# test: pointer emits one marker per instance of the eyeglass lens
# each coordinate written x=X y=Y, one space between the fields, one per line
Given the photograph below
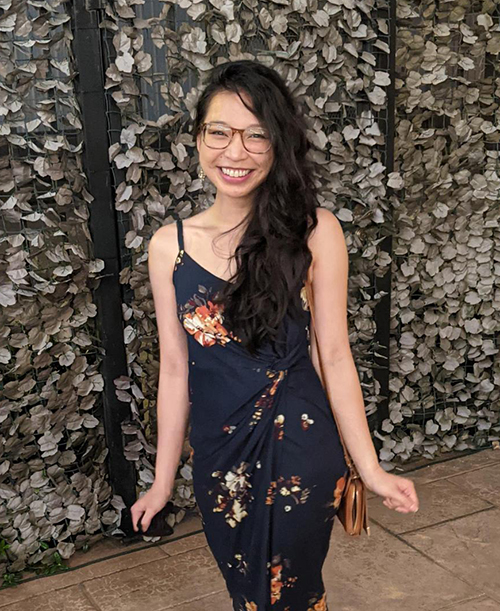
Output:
x=255 y=140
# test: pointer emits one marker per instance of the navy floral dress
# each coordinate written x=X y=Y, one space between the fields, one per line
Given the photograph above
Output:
x=268 y=465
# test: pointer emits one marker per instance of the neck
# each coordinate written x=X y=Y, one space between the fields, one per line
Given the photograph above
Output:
x=227 y=212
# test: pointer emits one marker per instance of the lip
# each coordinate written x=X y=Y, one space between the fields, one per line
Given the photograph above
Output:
x=234 y=179
x=229 y=168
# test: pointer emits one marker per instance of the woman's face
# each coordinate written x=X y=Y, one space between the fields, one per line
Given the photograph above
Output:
x=227 y=108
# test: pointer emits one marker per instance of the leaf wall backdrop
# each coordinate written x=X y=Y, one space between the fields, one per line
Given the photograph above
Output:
x=445 y=318
x=440 y=204
x=54 y=490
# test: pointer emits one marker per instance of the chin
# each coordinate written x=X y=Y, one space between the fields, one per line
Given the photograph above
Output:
x=225 y=187
x=236 y=192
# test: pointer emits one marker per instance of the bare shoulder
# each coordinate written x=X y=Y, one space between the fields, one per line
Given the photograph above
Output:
x=163 y=247
x=328 y=233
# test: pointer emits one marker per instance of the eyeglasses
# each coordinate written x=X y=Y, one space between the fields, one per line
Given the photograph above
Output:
x=218 y=136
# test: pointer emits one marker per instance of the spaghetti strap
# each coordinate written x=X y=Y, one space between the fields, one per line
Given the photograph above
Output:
x=180 y=236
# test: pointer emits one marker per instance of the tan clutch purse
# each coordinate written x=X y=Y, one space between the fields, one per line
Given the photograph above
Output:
x=353 y=509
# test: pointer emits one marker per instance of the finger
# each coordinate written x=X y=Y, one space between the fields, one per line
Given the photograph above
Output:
x=408 y=507
x=410 y=491
x=399 y=503
x=404 y=498
x=412 y=499
x=135 y=513
x=146 y=520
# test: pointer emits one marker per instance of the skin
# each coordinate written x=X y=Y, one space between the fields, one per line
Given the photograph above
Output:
x=330 y=277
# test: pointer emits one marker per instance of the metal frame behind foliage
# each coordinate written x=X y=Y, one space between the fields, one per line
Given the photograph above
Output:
x=99 y=127
x=381 y=356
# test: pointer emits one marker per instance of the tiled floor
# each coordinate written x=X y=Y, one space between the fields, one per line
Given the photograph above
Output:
x=446 y=557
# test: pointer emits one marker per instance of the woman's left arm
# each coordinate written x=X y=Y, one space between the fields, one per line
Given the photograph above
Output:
x=330 y=285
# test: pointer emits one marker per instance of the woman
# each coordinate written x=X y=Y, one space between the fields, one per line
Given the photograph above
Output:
x=268 y=465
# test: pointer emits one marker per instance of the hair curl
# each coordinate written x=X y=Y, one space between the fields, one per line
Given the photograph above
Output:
x=273 y=256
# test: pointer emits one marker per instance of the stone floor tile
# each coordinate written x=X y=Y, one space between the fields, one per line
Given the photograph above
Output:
x=214 y=602
x=102 y=548
x=448 y=468
x=106 y=547
x=469 y=547
x=63 y=580
x=485 y=483
x=69 y=599
x=185 y=544
x=382 y=573
x=457 y=463
x=478 y=604
x=439 y=500
x=171 y=581
x=113 y=556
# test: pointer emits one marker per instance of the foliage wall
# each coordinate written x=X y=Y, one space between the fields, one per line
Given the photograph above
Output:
x=54 y=491
x=445 y=322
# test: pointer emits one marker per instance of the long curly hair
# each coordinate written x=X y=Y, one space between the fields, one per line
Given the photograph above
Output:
x=273 y=256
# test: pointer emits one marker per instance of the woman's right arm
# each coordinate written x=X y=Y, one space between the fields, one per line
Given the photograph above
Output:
x=173 y=394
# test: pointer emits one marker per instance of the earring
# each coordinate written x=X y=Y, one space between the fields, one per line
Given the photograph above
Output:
x=201 y=174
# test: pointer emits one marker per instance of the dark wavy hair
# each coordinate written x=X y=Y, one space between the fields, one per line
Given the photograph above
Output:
x=273 y=256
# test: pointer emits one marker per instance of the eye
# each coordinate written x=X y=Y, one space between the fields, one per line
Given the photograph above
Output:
x=217 y=130
x=258 y=135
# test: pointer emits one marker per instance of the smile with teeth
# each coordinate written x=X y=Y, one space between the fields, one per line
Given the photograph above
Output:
x=235 y=173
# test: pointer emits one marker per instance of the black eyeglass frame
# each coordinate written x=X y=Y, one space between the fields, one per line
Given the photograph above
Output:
x=203 y=128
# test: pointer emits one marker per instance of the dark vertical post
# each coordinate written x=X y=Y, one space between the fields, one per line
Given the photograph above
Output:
x=103 y=227
x=383 y=308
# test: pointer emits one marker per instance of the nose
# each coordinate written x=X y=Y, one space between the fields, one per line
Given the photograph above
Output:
x=235 y=149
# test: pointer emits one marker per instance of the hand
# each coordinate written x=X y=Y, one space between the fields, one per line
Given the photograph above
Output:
x=148 y=505
x=399 y=492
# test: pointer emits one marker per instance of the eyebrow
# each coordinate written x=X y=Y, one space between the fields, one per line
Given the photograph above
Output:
x=224 y=123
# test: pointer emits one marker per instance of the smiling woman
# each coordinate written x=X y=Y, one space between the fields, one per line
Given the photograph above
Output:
x=268 y=466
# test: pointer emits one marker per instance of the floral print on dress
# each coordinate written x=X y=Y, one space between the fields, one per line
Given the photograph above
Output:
x=266 y=398
x=303 y=298
x=203 y=319
x=280 y=577
x=241 y=564
x=337 y=496
x=339 y=490
x=178 y=260
x=279 y=429
x=291 y=489
x=318 y=603
x=233 y=493
x=305 y=421
x=205 y=325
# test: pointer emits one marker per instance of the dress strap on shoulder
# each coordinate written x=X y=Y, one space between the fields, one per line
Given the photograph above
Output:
x=180 y=236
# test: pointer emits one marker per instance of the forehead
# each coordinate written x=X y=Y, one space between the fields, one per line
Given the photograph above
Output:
x=227 y=107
